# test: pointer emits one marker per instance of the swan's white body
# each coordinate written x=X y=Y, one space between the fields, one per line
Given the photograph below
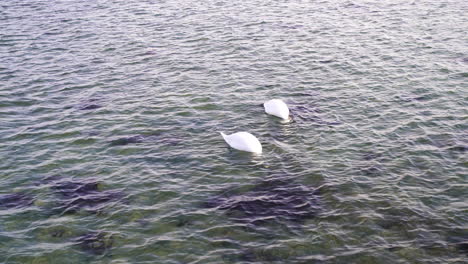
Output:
x=277 y=108
x=243 y=141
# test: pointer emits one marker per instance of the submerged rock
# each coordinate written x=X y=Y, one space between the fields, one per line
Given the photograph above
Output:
x=463 y=247
x=127 y=140
x=459 y=148
x=372 y=155
x=371 y=171
x=91 y=202
x=58 y=232
x=270 y=200
x=459 y=239
x=96 y=243
x=75 y=188
x=265 y=255
x=75 y=195
x=89 y=106
x=159 y=138
x=15 y=200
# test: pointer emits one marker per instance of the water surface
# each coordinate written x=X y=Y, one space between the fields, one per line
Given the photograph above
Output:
x=110 y=113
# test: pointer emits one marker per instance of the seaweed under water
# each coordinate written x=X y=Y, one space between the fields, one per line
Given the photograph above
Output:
x=15 y=200
x=127 y=140
x=273 y=199
x=75 y=195
x=166 y=139
x=96 y=243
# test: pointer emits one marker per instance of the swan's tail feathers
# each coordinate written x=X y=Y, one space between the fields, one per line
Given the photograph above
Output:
x=224 y=135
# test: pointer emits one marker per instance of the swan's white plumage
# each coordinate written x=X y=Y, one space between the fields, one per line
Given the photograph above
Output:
x=277 y=108
x=243 y=141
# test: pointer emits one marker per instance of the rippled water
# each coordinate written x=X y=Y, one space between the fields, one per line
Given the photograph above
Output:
x=110 y=112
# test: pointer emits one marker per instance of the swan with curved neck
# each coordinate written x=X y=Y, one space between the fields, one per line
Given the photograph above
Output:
x=243 y=141
x=277 y=108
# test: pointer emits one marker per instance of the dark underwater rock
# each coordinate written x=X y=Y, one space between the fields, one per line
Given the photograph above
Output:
x=371 y=171
x=92 y=202
x=326 y=61
x=127 y=140
x=372 y=155
x=75 y=195
x=89 y=106
x=459 y=148
x=458 y=238
x=57 y=232
x=159 y=138
x=15 y=200
x=71 y=189
x=96 y=243
x=394 y=248
x=463 y=247
x=269 y=200
x=264 y=255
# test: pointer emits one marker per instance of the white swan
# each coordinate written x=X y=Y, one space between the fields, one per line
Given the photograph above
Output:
x=277 y=108
x=243 y=141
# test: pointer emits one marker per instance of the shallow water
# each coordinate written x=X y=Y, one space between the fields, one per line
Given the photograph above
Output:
x=110 y=112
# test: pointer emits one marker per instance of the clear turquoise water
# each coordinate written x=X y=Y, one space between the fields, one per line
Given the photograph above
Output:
x=378 y=91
